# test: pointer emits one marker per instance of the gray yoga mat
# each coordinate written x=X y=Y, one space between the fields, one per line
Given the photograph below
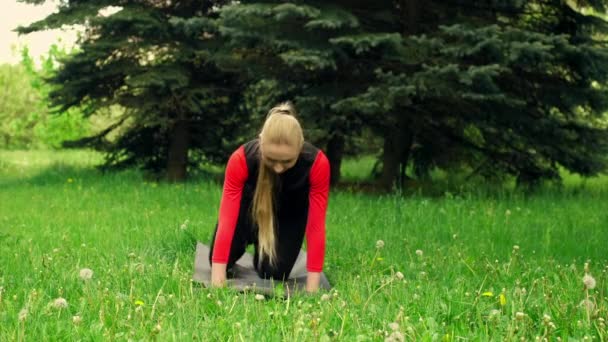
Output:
x=246 y=278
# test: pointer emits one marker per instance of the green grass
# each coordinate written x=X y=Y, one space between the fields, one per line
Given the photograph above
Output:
x=58 y=216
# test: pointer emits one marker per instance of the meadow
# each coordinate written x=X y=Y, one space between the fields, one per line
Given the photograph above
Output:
x=92 y=256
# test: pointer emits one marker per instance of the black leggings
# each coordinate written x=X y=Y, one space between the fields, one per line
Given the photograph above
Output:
x=288 y=242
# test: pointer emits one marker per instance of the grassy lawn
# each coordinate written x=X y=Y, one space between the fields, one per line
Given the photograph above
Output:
x=452 y=268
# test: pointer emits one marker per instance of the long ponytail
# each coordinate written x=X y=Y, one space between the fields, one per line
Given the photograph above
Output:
x=280 y=127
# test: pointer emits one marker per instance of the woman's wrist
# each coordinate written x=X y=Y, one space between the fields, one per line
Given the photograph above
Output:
x=218 y=274
x=312 y=281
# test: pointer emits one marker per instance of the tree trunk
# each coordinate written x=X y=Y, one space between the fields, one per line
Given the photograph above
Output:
x=408 y=142
x=396 y=153
x=177 y=159
x=335 y=151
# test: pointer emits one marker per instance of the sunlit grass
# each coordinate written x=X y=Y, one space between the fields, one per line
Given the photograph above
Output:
x=498 y=266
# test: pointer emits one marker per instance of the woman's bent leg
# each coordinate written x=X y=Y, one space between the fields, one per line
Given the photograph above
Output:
x=242 y=238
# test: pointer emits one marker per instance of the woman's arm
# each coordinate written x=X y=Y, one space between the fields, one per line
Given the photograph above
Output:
x=315 y=227
x=234 y=181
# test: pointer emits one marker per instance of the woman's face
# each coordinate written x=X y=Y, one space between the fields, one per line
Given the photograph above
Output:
x=279 y=157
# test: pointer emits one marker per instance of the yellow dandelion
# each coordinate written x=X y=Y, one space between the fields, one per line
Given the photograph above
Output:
x=139 y=302
x=502 y=299
x=487 y=294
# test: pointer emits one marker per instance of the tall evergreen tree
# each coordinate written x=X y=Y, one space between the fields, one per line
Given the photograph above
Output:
x=153 y=59
x=492 y=86
x=314 y=52
x=496 y=87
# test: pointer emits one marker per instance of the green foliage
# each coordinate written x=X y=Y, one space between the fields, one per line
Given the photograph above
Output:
x=27 y=121
x=153 y=61
x=492 y=88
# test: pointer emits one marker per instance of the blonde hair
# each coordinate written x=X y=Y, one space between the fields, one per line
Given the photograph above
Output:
x=280 y=127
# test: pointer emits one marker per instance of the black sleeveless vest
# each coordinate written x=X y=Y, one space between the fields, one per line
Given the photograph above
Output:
x=290 y=191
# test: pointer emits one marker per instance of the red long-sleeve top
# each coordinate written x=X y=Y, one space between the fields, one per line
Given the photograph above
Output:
x=234 y=181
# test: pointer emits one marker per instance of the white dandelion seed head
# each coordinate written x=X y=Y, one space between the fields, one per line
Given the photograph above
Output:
x=395 y=336
x=76 y=320
x=399 y=275
x=587 y=305
x=520 y=315
x=23 y=314
x=157 y=328
x=394 y=326
x=515 y=247
x=184 y=225
x=325 y=297
x=419 y=252
x=494 y=314
x=259 y=297
x=589 y=281
x=60 y=303
x=86 y=274
x=379 y=244
x=508 y=212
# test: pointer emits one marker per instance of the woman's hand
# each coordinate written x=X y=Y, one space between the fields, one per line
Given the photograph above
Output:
x=312 y=281
x=218 y=275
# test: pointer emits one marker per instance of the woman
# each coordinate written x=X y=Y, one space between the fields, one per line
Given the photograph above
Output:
x=275 y=193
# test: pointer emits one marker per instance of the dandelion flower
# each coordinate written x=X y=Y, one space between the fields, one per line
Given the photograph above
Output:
x=139 y=302
x=60 y=303
x=325 y=297
x=184 y=225
x=502 y=299
x=379 y=244
x=587 y=305
x=419 y=252
x=494 y=314
x=86 y=274
x=520 y=315
x=23 y=314
x=589 y=281
x=515 y=247
x=76 y=320
x=259 y=297
x=399 y=275
x=487 y=294
x=394 y=326
x=396 y=336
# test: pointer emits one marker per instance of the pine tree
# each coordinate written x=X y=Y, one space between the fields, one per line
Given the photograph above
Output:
x=313 y=52
x=496 y=87
x=153 y=59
